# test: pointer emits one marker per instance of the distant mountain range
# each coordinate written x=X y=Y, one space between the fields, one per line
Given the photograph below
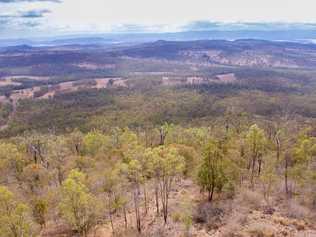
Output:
x=293 y=35
x=240 y=52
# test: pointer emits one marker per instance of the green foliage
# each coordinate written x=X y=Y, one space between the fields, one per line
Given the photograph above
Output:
x=126 y=139
x=35 y=177
x=94 y=141
x=113 y=178
x=11 y=160
x=14 y=221
x=256 y=143
x=191 y=158
x=40 y=209
x=5 y=110
x=123 y=170
x=304 y=149
x=125 y=147
x=268 y=178
x=78 y=206
x=58 y=153
x=304 y=152
x=75 y=141
x=211 y=174
x=193 y=136
x=165 y=161
x=256 y=140
x=165 y=164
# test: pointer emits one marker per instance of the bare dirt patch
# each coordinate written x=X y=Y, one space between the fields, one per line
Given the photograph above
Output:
x=222 y=78
x=64 y=87
x=93 y=66
x=196 y=80
x=226 y=78
x=24 y=93
x=167 y=81
x=8 y=82
x=107 y=82
x=35 y=78
x=120 y=83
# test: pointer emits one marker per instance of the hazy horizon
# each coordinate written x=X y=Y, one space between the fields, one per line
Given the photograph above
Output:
x=38 y=18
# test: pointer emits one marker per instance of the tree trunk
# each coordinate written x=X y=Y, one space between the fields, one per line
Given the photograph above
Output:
x=145 y=199
x=125 y=216
x=163 y=135
x=209 y=198
x=278 y=148
x=253 y=172
x=166 y=208
x=60 y=176
x=259 y=167
x=156 y=197
x=211 y=194
x=137 y=214
x=110 y=212
x=165 y=189
x=286 y=175
x=77 y=149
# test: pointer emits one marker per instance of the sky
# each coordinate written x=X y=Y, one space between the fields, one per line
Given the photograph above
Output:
x=31 y=18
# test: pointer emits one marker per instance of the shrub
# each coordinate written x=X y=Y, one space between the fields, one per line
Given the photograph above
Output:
x=251 y=199
x=209 y=214
x=261 y=230
x=295 y=210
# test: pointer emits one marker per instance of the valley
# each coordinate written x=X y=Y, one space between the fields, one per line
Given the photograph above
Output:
x=49 y=73
x=206 y=138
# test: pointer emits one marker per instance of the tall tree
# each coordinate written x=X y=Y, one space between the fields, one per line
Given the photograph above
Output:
x=114 y=185
x=135 y=177
x=11 y=162
x=14 y=220
x=211 y=173
x=78 y=206
x=256 y=142
x=58 y=154
x=167 y=164
x=302 y=170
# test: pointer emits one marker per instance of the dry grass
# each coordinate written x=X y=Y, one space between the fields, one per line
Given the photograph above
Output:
x=294 y=210
x=250 y=199
x=261 y=230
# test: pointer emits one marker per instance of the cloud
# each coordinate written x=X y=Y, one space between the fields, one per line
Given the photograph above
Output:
x=34 y=13
x=4 y=21
x=31 y=24
x=27 y=14
x=201 y=26
x=17 y=1
x=21 y=22
x=254 y=26
x=135 y=28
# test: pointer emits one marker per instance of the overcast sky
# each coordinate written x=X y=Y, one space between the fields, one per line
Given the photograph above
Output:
x=24 y=18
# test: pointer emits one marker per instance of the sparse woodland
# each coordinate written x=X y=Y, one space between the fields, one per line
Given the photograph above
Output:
x=127 y=182
x=204 y=138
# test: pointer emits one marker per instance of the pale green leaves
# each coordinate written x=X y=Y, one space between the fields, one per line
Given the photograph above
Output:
x=13 y=216
x=78 y=206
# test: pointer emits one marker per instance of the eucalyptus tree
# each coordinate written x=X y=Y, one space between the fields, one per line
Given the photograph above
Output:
x=78 y=206
x=211 y=174
x=166 y=164
x=256 y=143
x=14 y=216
